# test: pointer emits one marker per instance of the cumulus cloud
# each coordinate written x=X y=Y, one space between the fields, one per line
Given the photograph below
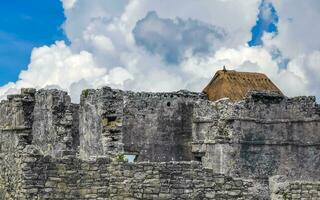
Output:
x=306 y=67
x=297 y=30
x=172 y=38
x=56 y=66
x=251 y=59
x=153 y=46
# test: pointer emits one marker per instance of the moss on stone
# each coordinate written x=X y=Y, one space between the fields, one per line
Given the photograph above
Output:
x=104 y=121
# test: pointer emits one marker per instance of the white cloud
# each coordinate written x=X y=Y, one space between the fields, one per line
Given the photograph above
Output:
x=68 y=4
x=103 y=49
x=100 y=42
x=254 y=59
x=87 y=21
x=306 y=67
x=7 y=89
x=118 y=76
x=298 y=29
x=57 y=66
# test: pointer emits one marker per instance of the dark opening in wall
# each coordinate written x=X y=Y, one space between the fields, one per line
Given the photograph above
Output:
x=198 y=157
x=111 y=118
x=168 y=104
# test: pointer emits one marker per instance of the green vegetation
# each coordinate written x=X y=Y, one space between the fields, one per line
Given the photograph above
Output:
x=120 y=158
x=85 y=93
x=285 y=196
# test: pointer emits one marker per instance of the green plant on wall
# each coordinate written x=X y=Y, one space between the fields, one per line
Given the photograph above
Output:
x=85 y=93
x=285 y=196
x=121 y=158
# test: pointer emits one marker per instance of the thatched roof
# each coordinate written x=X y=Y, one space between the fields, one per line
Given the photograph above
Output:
x=235 y=85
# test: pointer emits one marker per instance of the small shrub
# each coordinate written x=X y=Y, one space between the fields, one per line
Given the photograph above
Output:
x=85 y=93
x=120 y=158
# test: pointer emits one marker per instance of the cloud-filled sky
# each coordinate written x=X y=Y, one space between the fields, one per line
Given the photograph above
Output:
x=23 y=26
x=166 y=45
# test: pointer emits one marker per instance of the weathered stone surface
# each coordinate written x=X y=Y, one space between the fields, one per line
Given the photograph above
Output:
x=260 y=137
x=100 y=122
x=171 y=180
x=153 y=126
x=15 y=134
x=55 y=123
x=53 y=149
x=282 y=187
x=158 y=127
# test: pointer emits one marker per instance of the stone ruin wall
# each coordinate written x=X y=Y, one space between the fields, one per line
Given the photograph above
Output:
x=51 y=148
x=153 y=126
x=285 y=188
x=15 y=134
x=73 y=178
x=42 y=156
x=261 y=137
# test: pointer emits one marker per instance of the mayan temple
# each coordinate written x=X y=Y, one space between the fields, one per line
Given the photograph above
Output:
x=241 y=138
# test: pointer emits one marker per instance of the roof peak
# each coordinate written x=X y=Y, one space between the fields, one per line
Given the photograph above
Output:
x=235 y=85
x=238 y=72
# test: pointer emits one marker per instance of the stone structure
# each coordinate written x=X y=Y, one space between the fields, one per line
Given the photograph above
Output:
x=182 y=146
x=284 y=188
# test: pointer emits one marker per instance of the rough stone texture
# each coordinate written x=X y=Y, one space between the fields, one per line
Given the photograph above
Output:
x=100 y=122
x=260 y=137
x=55 y=123
x=283 y=189
x=158 y=127
x=53 y=149
x=15 y=134
x=153 y=126
x=72 y=178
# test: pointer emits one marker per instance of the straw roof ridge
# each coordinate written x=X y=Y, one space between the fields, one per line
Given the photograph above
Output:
x=235 y=85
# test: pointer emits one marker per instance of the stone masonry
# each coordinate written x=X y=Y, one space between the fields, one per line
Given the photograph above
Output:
x=180 y=146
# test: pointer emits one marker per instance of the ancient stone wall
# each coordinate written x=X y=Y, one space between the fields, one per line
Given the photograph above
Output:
x=46 y=120
x=262 y=136
x=55 y=127
x=286 y=189
x=68 y=177
x=158 y=126
x=152 y=126
x=72 y=178
x=51 y=148
x=100 y=122
x=15 y=135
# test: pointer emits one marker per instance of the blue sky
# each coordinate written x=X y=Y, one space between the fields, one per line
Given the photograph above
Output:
x=33 y=23
x=262 y=25
x=23 y=26
x=144 y=45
